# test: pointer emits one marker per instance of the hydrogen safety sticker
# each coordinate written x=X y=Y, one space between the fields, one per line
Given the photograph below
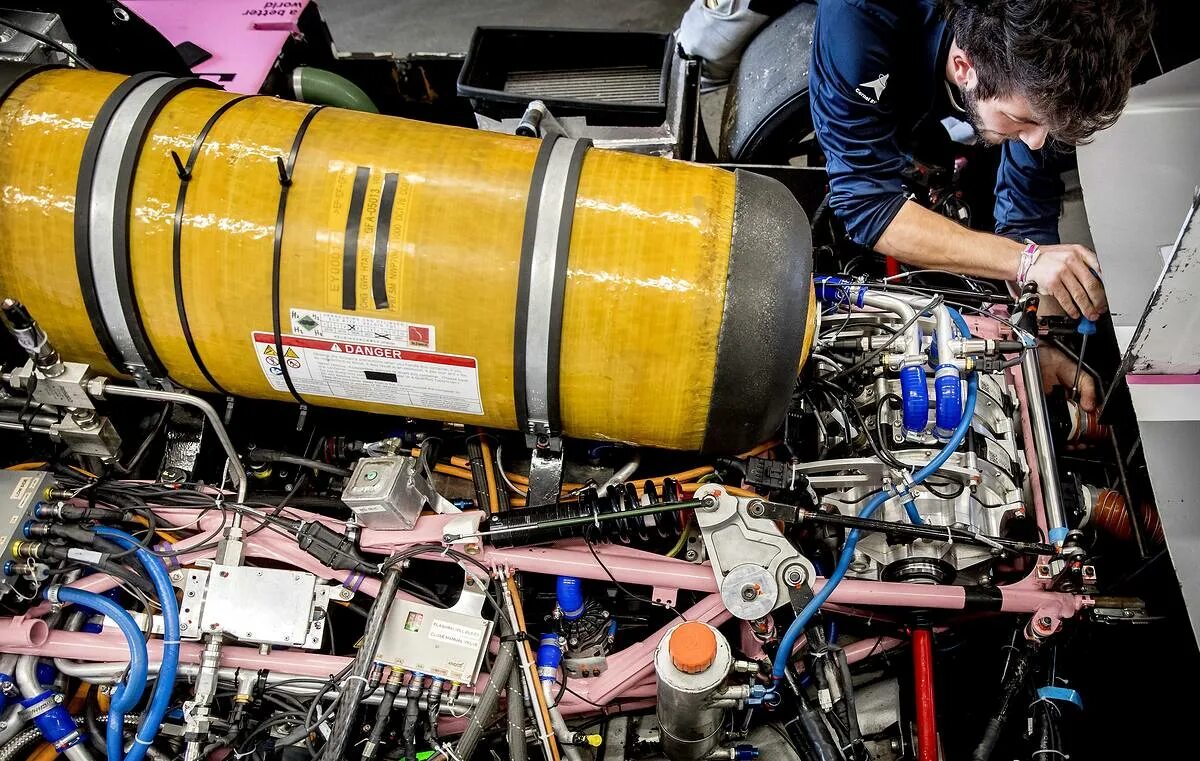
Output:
x=371 y=372
x=352 y=327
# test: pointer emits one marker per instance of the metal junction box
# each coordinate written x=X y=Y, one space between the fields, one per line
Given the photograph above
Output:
x=257 y=605
x=385 y=493
x=20 y=491
x=434 y=641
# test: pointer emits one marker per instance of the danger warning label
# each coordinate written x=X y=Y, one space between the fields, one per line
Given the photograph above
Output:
x=370 y=372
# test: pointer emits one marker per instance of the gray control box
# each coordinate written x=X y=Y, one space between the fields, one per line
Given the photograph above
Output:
x=386 y=493
x=20 y=47
x=20 y=491
x=434 y=641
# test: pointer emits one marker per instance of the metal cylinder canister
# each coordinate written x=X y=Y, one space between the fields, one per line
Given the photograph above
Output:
x=692 y=663
x=270 y=249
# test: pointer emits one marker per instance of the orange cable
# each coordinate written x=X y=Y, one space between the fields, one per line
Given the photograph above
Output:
x=764 y=447
x=489 y=470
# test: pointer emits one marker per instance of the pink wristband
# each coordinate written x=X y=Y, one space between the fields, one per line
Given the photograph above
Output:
x=1028 y=257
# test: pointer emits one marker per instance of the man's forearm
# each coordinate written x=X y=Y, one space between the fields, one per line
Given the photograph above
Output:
x=921 y=238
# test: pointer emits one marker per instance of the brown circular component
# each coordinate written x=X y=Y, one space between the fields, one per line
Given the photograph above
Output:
x=693 y=647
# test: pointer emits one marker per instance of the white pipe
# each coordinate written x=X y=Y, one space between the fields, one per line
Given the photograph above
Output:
x=621 y=475
x=11 y=723
x=564 y=733
x=26 y=676
x=905 y=311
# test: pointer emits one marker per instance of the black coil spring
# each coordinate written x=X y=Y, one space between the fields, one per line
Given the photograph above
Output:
x=620 y=498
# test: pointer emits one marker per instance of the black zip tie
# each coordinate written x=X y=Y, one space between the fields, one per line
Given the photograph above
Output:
x=285 y=179
x=180 y=169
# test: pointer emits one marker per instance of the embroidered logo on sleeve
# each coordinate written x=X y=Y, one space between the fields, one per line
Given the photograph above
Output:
x=877 y=85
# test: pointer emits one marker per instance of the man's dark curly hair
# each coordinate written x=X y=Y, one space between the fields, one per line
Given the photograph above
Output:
x=1073 y=59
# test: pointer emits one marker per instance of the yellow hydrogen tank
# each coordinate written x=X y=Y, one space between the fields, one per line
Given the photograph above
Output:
x=267 y=249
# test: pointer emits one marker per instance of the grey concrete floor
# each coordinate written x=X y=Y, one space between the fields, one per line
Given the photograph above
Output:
x=445 y=26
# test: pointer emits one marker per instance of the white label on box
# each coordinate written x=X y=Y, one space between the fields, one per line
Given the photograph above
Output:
x=352 y=327
x=371 y=372
x=24 y=489
x=455 y=634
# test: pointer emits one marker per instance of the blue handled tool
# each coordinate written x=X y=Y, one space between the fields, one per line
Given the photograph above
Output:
x=1085 y=328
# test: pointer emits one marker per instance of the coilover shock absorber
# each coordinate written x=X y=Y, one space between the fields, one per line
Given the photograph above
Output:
x=537 y=525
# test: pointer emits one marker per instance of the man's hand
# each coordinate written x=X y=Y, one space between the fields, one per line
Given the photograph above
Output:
x=1059 y=370
x=1067 y=272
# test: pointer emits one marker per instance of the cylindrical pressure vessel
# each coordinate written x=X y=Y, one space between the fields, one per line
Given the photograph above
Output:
x=270 y=249
x=692 y=663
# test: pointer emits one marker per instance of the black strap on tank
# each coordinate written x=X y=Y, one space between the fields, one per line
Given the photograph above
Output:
x=124 y=197
x=83 y=202
x=184 y=169
x=383 y=230
x=521 y=322
x=285 y=183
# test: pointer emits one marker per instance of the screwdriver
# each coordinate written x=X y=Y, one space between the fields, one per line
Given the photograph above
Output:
x=1085 y=328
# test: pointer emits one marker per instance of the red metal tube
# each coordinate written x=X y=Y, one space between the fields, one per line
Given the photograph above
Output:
x=922 y=649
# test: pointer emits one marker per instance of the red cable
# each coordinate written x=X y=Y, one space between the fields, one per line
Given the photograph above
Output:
x=922 y=649
x=893 y=266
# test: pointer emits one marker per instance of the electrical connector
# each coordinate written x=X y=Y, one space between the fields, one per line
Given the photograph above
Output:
x=335 y=550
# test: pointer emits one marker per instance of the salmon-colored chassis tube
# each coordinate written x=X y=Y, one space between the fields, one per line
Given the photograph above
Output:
x=629 y=678
x=628 y=669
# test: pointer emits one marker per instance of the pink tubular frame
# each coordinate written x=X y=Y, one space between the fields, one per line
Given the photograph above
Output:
x=629 y=678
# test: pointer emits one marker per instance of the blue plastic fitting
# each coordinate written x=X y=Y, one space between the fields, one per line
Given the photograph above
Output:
x=568 y=590
x=45 y=673
x=915 y=395
x=947 y=392
x=835 y=289
x=1061 y=695
x=549 y=657
x=55 y=724
x=9 y=568
x=745 y=753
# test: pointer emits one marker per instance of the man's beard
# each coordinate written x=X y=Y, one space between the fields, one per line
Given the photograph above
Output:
x=971 y=107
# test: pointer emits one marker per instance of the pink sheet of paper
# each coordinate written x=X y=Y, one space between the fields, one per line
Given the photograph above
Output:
x=244 y=36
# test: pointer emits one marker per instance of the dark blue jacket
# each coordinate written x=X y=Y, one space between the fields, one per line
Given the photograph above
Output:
x=878 y=71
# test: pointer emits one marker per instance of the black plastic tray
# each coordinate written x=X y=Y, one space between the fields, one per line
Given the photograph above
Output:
x=610 y=77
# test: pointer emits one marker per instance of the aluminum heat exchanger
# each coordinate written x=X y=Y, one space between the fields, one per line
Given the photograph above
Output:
x=159 y=227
